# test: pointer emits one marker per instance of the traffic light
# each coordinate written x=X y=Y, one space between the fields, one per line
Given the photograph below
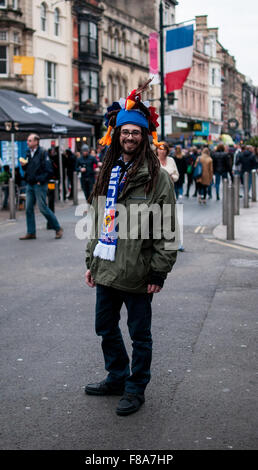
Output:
x=171 y=97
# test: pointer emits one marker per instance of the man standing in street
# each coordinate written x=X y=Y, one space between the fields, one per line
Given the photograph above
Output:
x=38 y=169
x=128 y=270
x=85 y=164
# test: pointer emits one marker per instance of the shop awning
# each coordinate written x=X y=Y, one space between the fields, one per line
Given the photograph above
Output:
x=21 y=113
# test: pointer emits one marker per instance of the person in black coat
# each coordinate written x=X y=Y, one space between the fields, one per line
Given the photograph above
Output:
x=38 y=169
x=247 y=161
x=181 y=166
x=221 y=166
x=85 y=165
x=70 y=164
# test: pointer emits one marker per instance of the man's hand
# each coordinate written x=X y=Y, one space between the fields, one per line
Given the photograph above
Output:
x=83 y=170
x=38 y=183
x=153 y=289
x=89 y=279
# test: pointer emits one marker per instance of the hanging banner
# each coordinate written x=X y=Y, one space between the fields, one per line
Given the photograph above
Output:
x=153 y=57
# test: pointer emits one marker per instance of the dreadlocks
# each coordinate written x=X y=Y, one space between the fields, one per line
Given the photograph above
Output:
x=114 y=152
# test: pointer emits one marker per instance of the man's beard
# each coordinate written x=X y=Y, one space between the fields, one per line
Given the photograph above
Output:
x=132 y=151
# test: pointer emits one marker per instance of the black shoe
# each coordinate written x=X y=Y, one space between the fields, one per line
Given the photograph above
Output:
x=218 y=198
x=129 y=403
x=194 y=195
x=102 y=388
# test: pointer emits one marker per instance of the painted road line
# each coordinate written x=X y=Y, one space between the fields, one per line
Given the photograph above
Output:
x=202 y=229
x=197 y=229
x=238 y=247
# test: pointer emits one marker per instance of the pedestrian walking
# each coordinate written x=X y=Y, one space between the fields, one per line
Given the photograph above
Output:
x=167 y=163
x=38 y=169
x=85 y=165
x=181 y=166
x=221 y=166
x=247 y=161
x=207 y=174
x=190 y=161
x=128 y=270
x=70 y=164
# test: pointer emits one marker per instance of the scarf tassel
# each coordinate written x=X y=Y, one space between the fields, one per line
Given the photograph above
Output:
x=104 y=251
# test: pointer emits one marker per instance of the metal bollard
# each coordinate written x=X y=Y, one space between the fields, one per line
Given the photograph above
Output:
x=236 y=194
x=56 y=191
x=12 y=198
x=51 y=200
x=254 y=185
x=75 y=188
x=230 y=213
x=224 y=202
x=246 y=190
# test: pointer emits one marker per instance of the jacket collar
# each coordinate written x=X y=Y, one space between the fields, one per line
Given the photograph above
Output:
x=139 y=179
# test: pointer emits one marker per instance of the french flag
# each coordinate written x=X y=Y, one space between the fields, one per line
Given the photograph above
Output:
x=179 y=54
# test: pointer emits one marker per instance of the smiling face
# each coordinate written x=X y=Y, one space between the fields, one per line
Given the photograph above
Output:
x=130 y=138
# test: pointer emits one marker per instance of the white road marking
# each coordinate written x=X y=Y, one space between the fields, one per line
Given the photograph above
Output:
x=197 y=229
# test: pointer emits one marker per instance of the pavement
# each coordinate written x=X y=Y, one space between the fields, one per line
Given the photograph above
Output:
x=246 y=227
x=203 y=391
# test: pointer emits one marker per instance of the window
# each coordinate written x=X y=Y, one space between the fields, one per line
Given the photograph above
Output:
x=123 y=46
x=88 y=38
x=213 y=76
x=43 y=16
x=115 y=91
x=3 y=3
x=50 y=79
x=16 y=38
x=14 y=4
x=56 y=22
x=116 y=44
x=3 y=35
x=3 y=60
x=109 y=89
x=89 y=86
x=16 y=50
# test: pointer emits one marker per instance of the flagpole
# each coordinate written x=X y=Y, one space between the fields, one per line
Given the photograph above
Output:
x=162 y=100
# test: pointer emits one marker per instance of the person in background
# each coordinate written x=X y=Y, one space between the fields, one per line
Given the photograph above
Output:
x=101 y=152
x=247 y=161
x=167 y=163
x=70 y=164
x=190 y=158
x=5 y=175
x=181 y=166
x=85 y=165
x=38 y=170
x=221 y=166
x=207 y=174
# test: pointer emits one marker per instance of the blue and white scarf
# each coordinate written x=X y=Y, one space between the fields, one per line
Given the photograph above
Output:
x=106 y=246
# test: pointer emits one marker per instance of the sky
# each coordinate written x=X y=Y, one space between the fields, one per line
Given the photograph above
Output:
x=237 y=21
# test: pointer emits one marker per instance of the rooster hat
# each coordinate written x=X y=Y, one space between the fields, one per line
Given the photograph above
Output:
x=132 y=110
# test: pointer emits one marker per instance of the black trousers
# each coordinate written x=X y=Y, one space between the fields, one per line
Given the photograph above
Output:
x=108 y=306
x=87 y=186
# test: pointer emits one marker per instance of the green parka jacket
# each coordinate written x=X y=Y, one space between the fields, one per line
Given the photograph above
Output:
x=135 y=259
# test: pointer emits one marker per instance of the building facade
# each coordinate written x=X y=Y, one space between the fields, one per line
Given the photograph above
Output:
x=190 y=115
x=125 y=46
x=86 y=62
x=232 y=105
x=52 y=49
x=16 y=39
x=210 y=45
